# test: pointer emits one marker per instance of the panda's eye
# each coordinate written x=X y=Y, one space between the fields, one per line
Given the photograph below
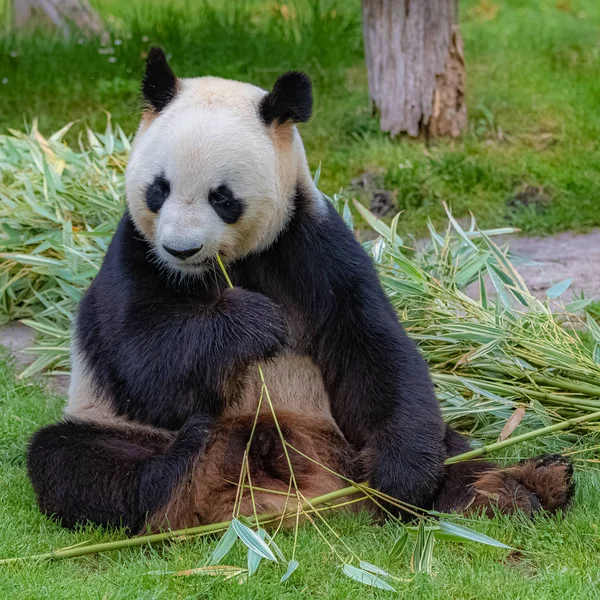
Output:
x=157 y=192
x=225 y=204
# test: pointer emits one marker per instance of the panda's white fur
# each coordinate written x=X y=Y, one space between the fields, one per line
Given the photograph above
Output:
x=210 y=134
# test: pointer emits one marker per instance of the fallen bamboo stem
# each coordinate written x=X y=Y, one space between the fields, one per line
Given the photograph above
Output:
x=201 y=530
x=522 y=438
x=557 y=382
x=556 y=398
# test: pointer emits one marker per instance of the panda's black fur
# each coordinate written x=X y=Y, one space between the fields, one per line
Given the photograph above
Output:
x=160 y=350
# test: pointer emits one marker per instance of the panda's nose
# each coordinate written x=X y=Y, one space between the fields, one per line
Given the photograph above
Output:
x=183 y=254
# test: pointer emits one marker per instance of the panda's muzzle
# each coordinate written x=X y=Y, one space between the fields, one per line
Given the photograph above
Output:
x=182 y=254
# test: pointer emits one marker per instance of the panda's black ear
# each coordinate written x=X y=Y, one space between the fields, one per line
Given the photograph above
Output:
x=159 y=85
x=289 y=100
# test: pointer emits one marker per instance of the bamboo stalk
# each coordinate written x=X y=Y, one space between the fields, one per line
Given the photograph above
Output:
x=522 y=438
x=587 y=378
x=201 y=530
x=564 y=400
x=558 y=382
x=595 y=381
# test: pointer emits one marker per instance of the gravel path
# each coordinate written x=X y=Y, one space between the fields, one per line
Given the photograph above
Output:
x=566 y=255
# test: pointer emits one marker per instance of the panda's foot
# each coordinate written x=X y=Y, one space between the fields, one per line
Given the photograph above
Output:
x=266 y=454
x=263 y=444
x=542 y=483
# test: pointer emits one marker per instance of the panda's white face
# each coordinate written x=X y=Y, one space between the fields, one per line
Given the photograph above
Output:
x=207 y=176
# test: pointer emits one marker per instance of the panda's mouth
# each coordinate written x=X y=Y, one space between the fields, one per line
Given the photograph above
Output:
x=197 y=266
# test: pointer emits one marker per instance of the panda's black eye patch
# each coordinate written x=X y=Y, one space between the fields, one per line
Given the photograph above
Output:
x=157 y=192
x=226 y=205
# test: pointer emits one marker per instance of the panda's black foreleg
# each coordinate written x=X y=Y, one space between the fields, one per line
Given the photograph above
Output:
x=86 y=472
x=383 y=401
x=175 y=359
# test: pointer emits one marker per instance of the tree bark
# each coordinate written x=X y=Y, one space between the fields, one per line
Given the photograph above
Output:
x=60 y=13
x=415 y=64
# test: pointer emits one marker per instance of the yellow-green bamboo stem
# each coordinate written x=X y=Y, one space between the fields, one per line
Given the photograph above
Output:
x=201 y=530
x=522 y=438
x=556 y=398
x=557 y=382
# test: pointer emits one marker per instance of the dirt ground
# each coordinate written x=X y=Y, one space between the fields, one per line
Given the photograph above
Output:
x=566 y=255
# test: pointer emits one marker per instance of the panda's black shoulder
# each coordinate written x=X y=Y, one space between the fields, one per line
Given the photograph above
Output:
x=113 y=284
x=334 y=248
x=128 y=257
x=316 y=263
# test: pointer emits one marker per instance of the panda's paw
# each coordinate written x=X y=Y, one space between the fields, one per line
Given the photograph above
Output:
x=536 y=484
x=265 y=325
x=195 y=434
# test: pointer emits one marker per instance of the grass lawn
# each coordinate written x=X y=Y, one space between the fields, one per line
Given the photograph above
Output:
x=533 y=80
x=554 y=558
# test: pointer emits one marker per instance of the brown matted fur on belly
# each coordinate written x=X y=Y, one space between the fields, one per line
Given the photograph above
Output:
x=302 y=407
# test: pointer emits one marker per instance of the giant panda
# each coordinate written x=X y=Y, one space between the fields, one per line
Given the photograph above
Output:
x=165 y=383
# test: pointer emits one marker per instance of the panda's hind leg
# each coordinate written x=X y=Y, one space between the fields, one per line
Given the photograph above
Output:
x=84 y=472
x=544 y=483
x=541 y=483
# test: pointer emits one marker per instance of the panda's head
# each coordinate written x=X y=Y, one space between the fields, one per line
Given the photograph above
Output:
x=215 y=164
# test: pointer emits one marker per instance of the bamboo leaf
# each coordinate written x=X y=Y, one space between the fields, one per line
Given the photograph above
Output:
x=482 y=292
x=317 y=176
x=558 y=289
x=465 y=534
x=224 y=546
x=367 y=566
x=421 y=561
x=578 y=305
x=435 y=236
x=505 y=265
x=31 y=259
x=499 y=286
x=43 y=362
x=57 y=136
x=225 y=571
x=379 y=226
x=405 y=288
x=593 y=327
x=273 y=545
x=253 y=557
x=292 y=566
x=396 y=239
x=347 y=216
x=510 y=283
x=409 y=269
x=461 y=232
x=252 y=540
x=512 y=423
x=399 y=546
x=366 y=578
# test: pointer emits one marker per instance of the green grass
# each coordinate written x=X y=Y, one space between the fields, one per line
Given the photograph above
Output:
x=554 y=558
x=533 y=94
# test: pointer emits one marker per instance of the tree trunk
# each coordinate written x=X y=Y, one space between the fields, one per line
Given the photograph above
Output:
x=61 y=13
x=415 y=64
